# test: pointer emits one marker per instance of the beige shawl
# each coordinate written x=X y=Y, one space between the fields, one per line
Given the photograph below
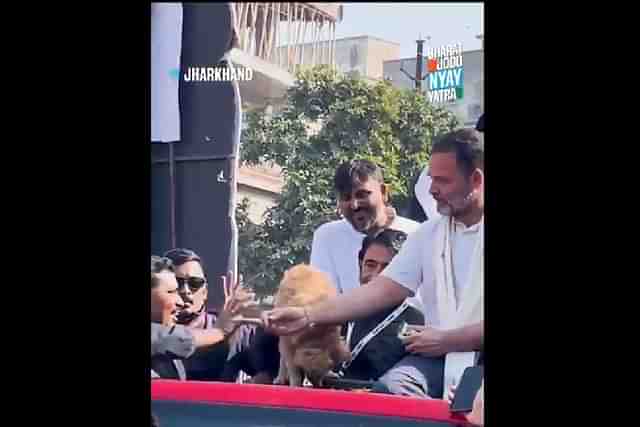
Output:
x=468 y=308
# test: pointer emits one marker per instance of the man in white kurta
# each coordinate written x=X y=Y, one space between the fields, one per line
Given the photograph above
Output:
x=416 y=272
x=335 y=249
x=442 y=261
x=363 y=203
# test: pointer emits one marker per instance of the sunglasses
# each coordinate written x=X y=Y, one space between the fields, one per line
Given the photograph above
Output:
x=194 y=283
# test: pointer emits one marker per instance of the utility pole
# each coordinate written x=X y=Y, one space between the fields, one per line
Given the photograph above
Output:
x=420 y=42
x=419 y=64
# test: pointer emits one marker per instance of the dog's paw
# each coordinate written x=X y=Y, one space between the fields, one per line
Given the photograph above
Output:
x=281 y=381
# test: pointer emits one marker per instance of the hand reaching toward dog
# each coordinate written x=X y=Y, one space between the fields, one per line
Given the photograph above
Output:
x=285 y=320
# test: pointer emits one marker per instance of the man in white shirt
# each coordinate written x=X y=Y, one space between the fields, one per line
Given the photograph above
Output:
x=442 y=261
x=363 y=201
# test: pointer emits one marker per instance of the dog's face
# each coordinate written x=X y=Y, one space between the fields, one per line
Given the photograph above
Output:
x=316 y=363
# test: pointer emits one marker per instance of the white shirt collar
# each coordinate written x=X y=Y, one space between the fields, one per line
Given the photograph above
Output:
x=460 y=226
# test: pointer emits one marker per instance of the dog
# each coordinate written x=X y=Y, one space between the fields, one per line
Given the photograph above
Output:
x=313 y=352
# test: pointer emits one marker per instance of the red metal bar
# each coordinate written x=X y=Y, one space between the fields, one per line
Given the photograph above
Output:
x=305 y=398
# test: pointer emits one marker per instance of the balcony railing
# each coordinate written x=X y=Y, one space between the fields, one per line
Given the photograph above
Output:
x=288 y=34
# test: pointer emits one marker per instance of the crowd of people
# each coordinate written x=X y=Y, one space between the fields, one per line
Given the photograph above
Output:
x=410 y=297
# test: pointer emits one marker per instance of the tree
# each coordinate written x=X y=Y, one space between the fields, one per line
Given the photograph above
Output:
x=391 y=127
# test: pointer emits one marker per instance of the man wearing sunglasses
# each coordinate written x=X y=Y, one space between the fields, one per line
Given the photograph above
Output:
x=192 y=287
x=207 y=365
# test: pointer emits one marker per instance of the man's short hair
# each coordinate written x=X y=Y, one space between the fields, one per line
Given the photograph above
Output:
x=480 y=124
x=360 y=170
x=468 y=146
x=390 y=239
x=158 y=265
x=179 y=256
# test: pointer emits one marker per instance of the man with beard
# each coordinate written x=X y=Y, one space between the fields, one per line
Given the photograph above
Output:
x=421 y=189
x=443 y=260
x=223 y=361
x=171 y=343
x=363 y=201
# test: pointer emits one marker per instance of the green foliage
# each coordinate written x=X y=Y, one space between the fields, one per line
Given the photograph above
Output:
x=391 y=127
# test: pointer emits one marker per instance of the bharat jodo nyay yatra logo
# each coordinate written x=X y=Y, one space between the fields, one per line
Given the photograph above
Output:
x=445 y=72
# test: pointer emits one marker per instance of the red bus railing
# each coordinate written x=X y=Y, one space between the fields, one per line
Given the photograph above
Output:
x=304 y=398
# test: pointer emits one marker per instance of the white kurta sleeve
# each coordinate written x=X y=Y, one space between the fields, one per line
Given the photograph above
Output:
x=406 y=267
x=321 y=255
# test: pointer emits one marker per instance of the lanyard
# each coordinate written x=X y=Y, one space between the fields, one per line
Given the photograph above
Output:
x=375 y=331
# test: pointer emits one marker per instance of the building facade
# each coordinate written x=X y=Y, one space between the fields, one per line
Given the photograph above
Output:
x=362 y=55
x=270 y=35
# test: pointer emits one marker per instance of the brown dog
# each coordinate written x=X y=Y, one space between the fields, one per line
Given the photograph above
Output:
x=314 y=351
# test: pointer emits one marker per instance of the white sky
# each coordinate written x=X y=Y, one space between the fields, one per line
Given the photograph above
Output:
x=446 y=23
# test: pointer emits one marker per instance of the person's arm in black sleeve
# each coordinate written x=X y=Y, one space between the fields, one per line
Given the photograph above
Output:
x=264 y=356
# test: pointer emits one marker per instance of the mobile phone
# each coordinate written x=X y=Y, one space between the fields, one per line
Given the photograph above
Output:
x=406 y=330
x=467 y=389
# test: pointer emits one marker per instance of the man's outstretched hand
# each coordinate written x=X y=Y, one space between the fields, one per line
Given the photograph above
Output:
x=285 y=320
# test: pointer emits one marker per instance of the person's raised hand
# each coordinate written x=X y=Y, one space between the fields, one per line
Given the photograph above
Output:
x=229 y=287
x=236 y=299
